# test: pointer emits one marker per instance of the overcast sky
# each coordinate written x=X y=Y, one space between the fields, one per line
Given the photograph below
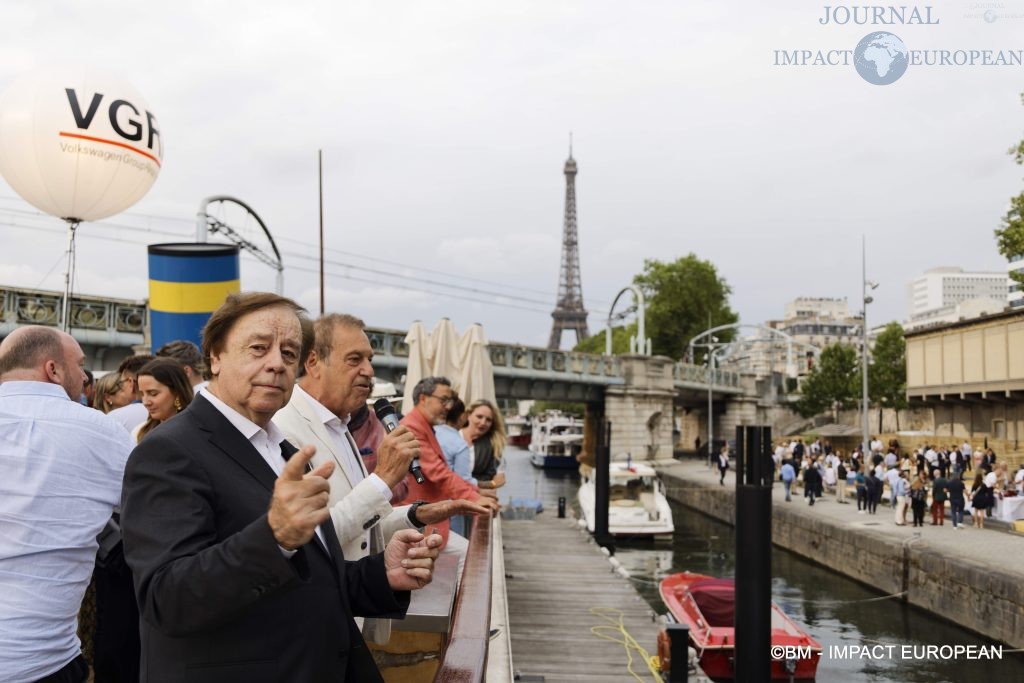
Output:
x=445 y=128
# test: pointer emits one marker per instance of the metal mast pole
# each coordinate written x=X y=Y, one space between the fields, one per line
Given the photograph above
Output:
x=711 y=383
x=864 y=341
x=69 y=277
x=320 y=173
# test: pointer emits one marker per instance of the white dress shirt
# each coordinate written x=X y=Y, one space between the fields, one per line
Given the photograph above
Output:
x=130 y=416
x=266 y=441
x=345 y=443
x=61 y=466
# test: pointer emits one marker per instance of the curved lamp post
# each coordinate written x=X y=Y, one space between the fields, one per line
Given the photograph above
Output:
x=639 y=344
x=205 y=224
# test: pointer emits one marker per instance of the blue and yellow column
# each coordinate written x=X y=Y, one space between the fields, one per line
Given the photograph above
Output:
x=188 y=282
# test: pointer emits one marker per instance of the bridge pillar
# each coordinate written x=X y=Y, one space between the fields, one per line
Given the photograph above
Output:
x=640 y=409
x=740 y=411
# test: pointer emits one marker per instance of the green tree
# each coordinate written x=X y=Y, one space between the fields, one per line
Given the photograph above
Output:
x=684 y=298
x=1010 y=237
x=887 y=373
x=832 y=383
x=620 y=341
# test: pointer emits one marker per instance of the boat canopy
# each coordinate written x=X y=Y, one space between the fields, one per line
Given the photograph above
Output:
x=716 y=599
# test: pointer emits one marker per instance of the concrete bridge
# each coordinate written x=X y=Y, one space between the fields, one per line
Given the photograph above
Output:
x=642 y=395
x=108 y=329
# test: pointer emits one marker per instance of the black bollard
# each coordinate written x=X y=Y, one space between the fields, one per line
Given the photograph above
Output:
x=678 y=653
x=753 y=554
x=602 y=461
x=561 y=507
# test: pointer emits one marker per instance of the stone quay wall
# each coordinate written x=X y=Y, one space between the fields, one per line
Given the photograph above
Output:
x=985 y=599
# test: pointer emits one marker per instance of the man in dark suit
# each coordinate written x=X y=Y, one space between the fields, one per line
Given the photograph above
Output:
x=238 y=578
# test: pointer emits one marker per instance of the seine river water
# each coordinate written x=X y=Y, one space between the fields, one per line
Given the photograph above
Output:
x=837 y=611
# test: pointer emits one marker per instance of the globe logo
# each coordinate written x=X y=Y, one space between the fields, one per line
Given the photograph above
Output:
x=880 y=58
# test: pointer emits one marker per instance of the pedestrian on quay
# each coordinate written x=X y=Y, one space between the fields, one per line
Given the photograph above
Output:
x=939 y=484
x=955 y=492
x=919 y=497
x=845 y=478
x=788 y=474
x=981 y=499
x=943 y=464
x=873 y=486
x=900 y=493
x=812 y=483
x=723 y=464
x=860 y=482
x=892 y=476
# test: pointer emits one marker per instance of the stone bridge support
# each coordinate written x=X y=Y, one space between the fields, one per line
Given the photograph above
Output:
x=640 y=409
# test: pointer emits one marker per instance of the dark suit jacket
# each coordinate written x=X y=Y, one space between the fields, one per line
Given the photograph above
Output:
x=218 y=600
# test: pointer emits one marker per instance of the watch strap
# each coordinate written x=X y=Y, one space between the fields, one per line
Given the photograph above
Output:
x=413 y=519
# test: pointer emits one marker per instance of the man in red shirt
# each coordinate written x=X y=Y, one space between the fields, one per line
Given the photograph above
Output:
x=433 y=397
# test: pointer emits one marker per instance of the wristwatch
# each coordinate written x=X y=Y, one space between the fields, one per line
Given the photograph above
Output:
x=413 y=519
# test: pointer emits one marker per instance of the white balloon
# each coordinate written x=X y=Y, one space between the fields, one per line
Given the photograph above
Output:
x=78 y=143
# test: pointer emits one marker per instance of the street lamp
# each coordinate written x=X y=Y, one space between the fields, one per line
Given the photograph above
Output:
x=711 y=383
x=867 y=285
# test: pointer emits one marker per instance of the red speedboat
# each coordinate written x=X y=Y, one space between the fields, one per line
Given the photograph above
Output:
x=707 y=606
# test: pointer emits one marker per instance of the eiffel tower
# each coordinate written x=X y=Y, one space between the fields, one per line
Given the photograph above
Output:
x=569 y=313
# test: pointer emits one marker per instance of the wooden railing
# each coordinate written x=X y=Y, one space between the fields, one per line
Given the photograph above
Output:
x=465 y=657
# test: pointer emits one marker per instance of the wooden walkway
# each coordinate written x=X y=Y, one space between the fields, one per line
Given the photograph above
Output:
x=555 y=575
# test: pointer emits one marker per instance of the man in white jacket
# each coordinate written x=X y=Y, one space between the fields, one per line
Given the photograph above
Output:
x=337 y=381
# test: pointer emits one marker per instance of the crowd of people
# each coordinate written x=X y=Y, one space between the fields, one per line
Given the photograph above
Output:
x=912 y=478
x=241 y=512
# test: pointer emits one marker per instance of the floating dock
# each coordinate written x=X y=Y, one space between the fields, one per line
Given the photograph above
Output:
x=560 y=585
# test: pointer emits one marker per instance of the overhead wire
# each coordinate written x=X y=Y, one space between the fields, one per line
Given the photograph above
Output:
x=424 y=290
x=450 y=275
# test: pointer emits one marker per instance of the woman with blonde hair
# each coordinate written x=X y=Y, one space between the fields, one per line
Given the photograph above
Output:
x=104 y=389
x=485 y=432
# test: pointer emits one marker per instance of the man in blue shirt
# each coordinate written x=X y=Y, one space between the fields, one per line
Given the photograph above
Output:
x=901 y=490
x=788 y=475
x=61 y=466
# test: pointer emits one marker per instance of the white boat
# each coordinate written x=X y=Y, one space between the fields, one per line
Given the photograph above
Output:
x=637 y=507
x=556 y=439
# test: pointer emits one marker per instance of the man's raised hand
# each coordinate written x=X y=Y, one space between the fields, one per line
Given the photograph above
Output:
x=300 y=500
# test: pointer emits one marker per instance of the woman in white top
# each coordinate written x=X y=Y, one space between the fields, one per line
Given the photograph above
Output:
x=165 y=391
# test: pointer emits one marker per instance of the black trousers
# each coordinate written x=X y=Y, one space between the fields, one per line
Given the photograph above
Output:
x=75 y=671
x=116 y=642
x=917 y=507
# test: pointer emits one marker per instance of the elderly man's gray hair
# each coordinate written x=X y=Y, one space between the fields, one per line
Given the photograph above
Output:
x=426 y=386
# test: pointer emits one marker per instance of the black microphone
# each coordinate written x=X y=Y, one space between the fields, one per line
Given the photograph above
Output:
x=386 y=414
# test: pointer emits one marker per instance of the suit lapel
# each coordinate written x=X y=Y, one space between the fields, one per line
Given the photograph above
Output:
x=231 y=442
x=323 y=437
x=355 y=449
x=327 y=528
